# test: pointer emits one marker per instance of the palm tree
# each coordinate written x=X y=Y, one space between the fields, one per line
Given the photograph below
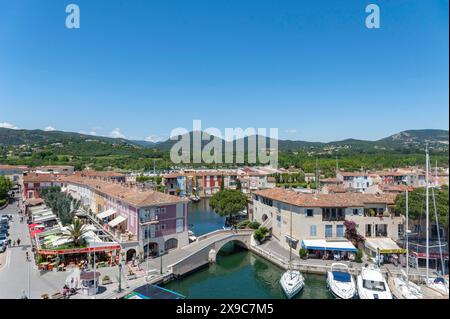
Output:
x=76 y=232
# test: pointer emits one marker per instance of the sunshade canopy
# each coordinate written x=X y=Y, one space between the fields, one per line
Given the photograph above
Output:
x=322 y=244
x=116 y=221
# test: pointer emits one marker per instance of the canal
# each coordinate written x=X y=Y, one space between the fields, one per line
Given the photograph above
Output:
x=202 y=219
x=238 y=273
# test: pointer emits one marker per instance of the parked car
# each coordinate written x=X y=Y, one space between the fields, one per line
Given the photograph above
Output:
x=3 y=238
x=3 y=247
x=4 y=225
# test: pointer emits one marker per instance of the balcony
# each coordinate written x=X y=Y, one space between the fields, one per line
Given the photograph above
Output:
x=333 y=214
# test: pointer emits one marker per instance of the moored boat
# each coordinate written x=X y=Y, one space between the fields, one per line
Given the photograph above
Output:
x=292 y=282
x=371 y=284
x=340 y=282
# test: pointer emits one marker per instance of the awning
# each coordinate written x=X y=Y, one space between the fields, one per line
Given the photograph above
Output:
x=116 y=221
x=322 y=244
x=292 y=239
x=45 y=218
x=384 y=245
x=106 y=213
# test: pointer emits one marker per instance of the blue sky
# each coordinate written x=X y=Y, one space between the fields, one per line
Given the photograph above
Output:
x=141 y=68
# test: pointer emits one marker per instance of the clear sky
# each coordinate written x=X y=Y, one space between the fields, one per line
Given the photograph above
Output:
x=141 y=68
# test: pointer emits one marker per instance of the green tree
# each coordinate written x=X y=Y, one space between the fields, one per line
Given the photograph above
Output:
x=5 y=186
x=228 y=203
x=416 y=203
x=76 y=232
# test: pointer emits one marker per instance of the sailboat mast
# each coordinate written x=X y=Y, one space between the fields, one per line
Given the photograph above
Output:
x=427 y=222
x=407 y=235
x=290 y=241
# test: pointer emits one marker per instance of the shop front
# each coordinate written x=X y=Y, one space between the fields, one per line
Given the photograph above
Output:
x=384 y=250
x=329 y=249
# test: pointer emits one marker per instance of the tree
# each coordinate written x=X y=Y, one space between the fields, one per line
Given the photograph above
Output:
x=5 y=186
x=351 y=233
x=76 y=232
x=228 y=202
x=416 y=203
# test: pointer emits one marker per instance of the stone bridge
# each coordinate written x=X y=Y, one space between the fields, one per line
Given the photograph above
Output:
x=205 y=249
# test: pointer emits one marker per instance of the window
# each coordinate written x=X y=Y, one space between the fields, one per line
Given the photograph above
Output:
x=340 y=231
x=355 y=211
x=313 y=230
x=278 y=218
x=309 y=212
x=163 y=226
x=328 y=230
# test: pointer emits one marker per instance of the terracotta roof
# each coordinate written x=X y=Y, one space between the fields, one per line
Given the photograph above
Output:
x=101 y=173
x=54 y=166
x=336 y=188
x=13 y=167
x=131 y=195
x=40 y=178
x=325 y=200
x=330 y=180
x=357 y=174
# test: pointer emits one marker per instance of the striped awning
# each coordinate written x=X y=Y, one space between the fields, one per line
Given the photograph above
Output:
x=116 y=221
x=106 y=213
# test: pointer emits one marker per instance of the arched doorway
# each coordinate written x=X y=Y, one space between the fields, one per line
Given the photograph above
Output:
x=153 y=249
x=131 y=254
x=171 y=243
x=264 y=217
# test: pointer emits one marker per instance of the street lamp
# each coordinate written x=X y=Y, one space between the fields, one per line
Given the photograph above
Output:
x=120 y=277
x=161 y=252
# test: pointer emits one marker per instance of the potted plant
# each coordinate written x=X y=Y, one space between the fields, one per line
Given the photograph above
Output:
x=358 y=256
x=303 y=253
x=131 y=274
x=106 y=280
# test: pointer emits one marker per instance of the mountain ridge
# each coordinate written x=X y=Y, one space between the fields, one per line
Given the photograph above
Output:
x=412 y=139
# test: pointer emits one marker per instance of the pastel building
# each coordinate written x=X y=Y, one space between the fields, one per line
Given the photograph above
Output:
x=142 y=221
x=322 y=216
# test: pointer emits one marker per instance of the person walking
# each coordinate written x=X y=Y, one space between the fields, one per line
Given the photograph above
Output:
x=18 y=241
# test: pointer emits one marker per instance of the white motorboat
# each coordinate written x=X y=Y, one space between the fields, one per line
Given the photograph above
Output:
x=341 y=282
x=292 y=283
x=439 y=283
x=371 y=284
x=191 y=236
x=194 y=198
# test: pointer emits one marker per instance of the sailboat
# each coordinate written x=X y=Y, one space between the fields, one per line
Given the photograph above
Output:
x=291 y=281
x=401 y=286
x=438 y=283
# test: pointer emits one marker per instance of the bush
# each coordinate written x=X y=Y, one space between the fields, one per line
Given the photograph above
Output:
x=358 y=256
x=253 y=225
x=2 y=202
x=260 y=233
x=243 y=224
x=303 y=253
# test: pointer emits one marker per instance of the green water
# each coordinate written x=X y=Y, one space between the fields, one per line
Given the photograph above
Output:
x=240 y=274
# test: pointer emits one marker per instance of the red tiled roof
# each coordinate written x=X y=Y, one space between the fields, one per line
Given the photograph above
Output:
x=325 y=200
x=130 y=195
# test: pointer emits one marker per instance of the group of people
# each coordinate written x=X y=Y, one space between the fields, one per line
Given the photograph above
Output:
x=13 y=243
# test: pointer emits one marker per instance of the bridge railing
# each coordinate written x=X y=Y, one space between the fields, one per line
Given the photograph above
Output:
x=223 y=231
